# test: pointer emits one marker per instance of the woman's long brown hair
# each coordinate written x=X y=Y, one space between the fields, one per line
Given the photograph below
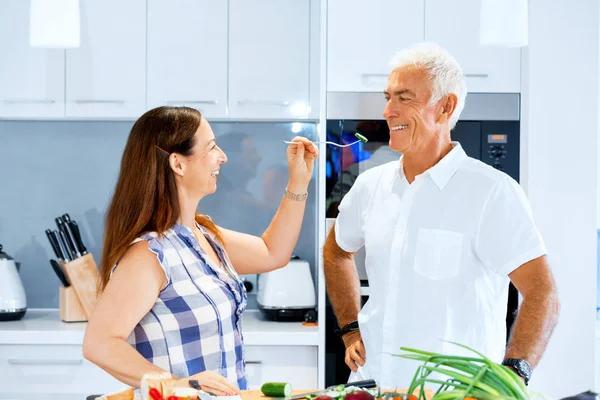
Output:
x=145 y=197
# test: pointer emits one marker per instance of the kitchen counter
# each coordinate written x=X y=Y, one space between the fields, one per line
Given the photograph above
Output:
x=43 y=326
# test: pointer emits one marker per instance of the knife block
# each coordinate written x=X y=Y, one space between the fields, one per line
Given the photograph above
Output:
x=83 y=276
x=70 y=307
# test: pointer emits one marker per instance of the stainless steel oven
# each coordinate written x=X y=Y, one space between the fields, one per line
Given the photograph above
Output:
x=488 y=130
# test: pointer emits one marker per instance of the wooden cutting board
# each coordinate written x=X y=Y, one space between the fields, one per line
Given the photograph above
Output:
x=257 y=394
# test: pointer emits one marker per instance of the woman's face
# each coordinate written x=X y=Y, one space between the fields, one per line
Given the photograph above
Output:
x=200 y=170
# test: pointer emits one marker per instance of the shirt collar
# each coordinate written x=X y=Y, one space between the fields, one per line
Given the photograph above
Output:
x=445 y=169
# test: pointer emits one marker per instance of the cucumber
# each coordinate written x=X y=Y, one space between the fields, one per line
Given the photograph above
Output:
x=361 y=137
x=276 y=389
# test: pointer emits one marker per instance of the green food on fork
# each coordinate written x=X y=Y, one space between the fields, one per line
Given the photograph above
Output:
x=361 y=137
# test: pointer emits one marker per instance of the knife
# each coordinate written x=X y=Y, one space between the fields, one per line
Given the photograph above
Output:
x=74 y=228
x=63 y=232
x=64 y=227
x=60 y=273
x=62 y=241
x=54 y=243
x=367 y=384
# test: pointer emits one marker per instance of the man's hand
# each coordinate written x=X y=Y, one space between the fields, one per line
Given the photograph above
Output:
x=355 y=350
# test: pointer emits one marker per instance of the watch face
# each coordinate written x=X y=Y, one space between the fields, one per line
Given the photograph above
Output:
x=524 y=367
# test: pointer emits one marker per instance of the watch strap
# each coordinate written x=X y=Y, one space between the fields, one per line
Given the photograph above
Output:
x=349 y=327
x=521 y=367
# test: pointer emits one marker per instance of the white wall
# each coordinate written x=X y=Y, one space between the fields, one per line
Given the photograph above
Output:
x=560 y=151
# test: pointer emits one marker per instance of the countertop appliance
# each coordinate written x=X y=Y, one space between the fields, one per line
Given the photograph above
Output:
x=488 y=130
x=288 y=293
x=13 y=303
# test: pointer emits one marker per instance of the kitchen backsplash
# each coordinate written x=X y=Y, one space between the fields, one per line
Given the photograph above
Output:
x=48 y=168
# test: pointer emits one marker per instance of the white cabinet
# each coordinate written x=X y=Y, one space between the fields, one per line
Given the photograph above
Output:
x=294 y=364
x=187 y=55
x=106 y=76
x=362 y=38
x=27 y=371
x=51 y=371
x=455 y=25
x=32 y=80
x=269 y=57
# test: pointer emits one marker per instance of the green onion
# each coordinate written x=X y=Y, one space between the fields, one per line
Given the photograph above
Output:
x=476 y=377
x=361 y=137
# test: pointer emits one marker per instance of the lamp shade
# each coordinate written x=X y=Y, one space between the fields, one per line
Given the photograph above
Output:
x=54 y=24
x=504 y=23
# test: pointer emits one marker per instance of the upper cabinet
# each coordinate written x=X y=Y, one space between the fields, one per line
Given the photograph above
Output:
x=187 y=55
x=487 y=69
x=269 y=59
x=235 y=59
x=32 y=80
x=362 y=38
x=106 y=76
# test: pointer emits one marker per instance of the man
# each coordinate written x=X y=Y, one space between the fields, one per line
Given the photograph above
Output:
x=443 y=234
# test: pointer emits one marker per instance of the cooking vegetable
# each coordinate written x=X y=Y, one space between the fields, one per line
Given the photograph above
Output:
x=276 y=389
x=361 y=137
x=155 y=394
x=475 y=377
x=359 y=395
x=346 y=393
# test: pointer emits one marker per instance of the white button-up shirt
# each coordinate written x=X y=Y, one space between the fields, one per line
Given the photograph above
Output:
x=438 y=255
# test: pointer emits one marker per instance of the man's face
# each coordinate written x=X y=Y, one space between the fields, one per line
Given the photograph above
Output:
x=414 y=125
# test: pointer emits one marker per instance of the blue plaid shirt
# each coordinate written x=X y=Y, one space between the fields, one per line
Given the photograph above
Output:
x=195 y=324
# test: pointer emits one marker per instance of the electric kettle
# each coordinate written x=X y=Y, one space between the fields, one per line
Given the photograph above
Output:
x=288 y=293
x=13 y=302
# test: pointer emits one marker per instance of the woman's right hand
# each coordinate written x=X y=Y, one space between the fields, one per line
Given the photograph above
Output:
x=211 y=382
x=355 y=350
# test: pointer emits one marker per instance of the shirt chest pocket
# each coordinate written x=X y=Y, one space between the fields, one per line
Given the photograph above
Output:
x=438 y=253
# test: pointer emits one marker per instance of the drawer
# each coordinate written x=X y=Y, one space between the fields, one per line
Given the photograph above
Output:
x=51 y=370
x=294 y=364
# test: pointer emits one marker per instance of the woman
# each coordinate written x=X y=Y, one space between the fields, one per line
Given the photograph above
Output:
x=171 y=296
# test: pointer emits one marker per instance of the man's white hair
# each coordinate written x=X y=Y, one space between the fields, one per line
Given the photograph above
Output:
x=446 y=75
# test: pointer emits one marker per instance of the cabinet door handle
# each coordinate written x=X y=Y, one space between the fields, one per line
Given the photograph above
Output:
x=13 y=361
x=264 y=103
x=476 y=75
x=193 y=102
x=29 y=101
x=376 y=75
x=90 y=101
x=253 y=362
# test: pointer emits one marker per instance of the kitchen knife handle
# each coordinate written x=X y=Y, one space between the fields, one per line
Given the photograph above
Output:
x=77 y=236
x=59 y=273
x=62 y=241
x=366 y=384
x=69 y=240
x=54 y=243
x=72 y=241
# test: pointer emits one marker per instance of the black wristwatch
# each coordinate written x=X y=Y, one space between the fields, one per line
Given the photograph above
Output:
x=352 y=326
x=522 y=368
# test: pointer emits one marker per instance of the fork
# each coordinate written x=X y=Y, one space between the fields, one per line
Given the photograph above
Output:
x=360 y=137
x=335 y=144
